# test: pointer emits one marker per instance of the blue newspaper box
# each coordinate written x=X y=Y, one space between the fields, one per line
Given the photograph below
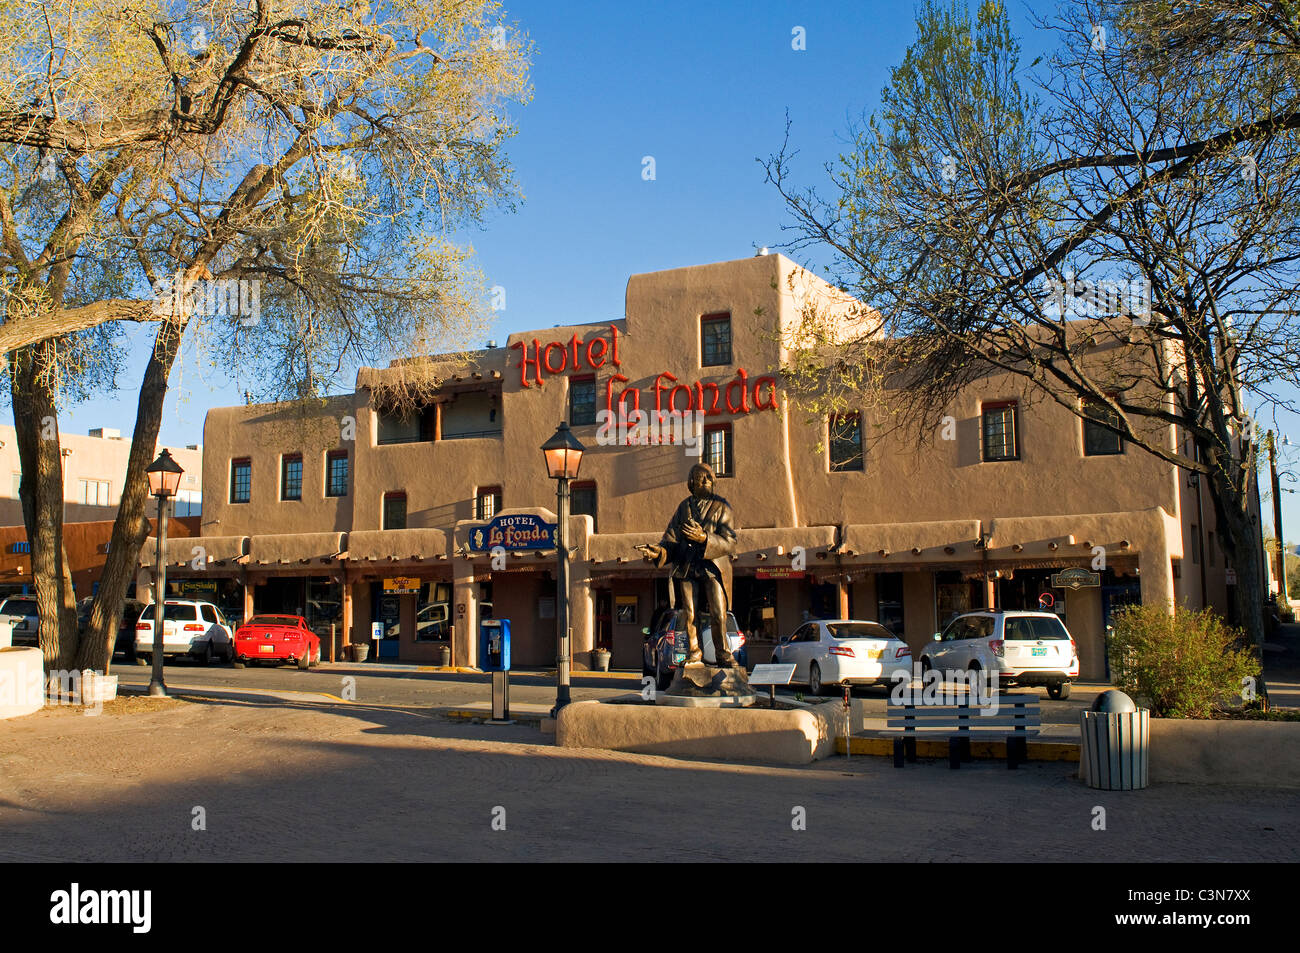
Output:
x=494 y=645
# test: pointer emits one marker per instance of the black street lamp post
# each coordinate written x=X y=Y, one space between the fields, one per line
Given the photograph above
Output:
x=164 y=478
x=563 y=457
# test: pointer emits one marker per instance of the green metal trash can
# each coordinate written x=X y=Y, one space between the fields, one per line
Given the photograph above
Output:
x=1116 y=737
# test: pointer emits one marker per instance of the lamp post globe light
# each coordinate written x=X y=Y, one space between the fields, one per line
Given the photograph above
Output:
x=164 y=479
x=563 y=455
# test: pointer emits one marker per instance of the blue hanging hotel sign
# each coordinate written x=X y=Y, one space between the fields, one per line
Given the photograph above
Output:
x=516 y=531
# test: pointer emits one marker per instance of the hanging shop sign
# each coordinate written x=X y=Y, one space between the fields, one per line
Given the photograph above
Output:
x=1076 y=579
x=401 y=586
x=778 y=573
x=516 y=531
x=740 y=395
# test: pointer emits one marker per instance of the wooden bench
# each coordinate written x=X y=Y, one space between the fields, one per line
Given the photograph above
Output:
x=1016 y=717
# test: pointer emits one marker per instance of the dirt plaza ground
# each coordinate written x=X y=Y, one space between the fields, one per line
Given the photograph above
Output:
x=216 y=779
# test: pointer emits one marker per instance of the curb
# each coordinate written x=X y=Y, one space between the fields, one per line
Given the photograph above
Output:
x=938 y=748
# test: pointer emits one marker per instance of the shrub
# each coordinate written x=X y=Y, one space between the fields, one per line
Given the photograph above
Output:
x=1186 y=663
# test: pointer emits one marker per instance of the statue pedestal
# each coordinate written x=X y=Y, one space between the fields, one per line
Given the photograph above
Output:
x=699 y=685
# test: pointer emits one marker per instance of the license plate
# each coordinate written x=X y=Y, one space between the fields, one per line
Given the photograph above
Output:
x=266 y=648
x=874 y=654
x=1038 y=652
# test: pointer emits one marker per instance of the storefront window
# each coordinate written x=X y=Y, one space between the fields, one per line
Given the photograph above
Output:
x=324 y=602
x=433 y=613
x=952 y=596
x=889 y=601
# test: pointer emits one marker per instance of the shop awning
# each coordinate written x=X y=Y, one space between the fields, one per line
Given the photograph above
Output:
x=397 y=545
x=196 y=552
x=296 y=549
x=922 y=542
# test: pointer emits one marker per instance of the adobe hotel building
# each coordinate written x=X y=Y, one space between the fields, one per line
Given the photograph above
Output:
x=350 y=513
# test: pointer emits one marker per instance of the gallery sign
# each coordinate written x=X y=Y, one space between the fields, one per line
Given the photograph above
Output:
x=1076 y=579
x=778 y=573
x=513 y=532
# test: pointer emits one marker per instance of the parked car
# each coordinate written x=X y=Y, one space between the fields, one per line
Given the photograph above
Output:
x=663 y=650
x=827 y=653
x=124 y=641
x=276 y=638
x=191 y=628
x=26 y=631
x=1024 y=648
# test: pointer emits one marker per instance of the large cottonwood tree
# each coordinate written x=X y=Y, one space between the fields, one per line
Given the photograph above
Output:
x=1140 y=200
x=157 y=154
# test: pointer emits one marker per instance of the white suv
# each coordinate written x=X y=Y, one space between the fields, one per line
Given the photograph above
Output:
x=196 y=629
x=1024 y=648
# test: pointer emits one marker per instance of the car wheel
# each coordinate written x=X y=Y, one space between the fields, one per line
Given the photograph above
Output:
x=315 y=659
x=814 y=679
x=205 y=657
x=1058 y=690
x=304 y=662
x=237 y=663
x=926 y=665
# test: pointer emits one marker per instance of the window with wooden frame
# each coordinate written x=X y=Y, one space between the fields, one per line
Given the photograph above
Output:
x=715 y=339
x=1099 y=439
x=717 y=449
x=844 y=433
x=487 y=502
x=582 y=400
x=582 y=501
x=241 y=480
x=291 y=476
x=336 y=473
x=395 y=510
x=1001 y=431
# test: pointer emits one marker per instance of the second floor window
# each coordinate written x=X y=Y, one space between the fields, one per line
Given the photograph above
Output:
x=582 y=501
x=715 y=339
x=394 y=511
x=291 y=476
x=336 y=473
x=94 y=492
x=845 y=433
x=487 y=502
x=241 y=480
x=1001 y=441
x=582 y=401
x=717 y=449
x=1098 y=439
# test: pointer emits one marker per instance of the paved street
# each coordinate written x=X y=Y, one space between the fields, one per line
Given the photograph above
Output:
x=285 y=780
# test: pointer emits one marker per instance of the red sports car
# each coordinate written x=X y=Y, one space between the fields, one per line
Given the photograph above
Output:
x=276 y=638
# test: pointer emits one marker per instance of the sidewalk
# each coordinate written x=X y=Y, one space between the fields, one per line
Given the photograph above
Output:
x=319 y=783
x=1282 y=666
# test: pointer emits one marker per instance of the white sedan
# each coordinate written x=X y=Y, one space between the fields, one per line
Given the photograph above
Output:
x=831 y=652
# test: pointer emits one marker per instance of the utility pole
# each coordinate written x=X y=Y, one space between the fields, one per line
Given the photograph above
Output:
x=1282 y=602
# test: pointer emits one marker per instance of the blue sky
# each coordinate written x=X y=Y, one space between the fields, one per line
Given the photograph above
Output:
x=703 y=91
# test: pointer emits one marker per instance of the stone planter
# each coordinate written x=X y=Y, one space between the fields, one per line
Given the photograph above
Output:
x=358 y=652
x=444 y=654
x=1214 y=751
x=600 y=660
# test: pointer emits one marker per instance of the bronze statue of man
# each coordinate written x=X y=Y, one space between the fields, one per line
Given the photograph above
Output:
x=697 y=540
